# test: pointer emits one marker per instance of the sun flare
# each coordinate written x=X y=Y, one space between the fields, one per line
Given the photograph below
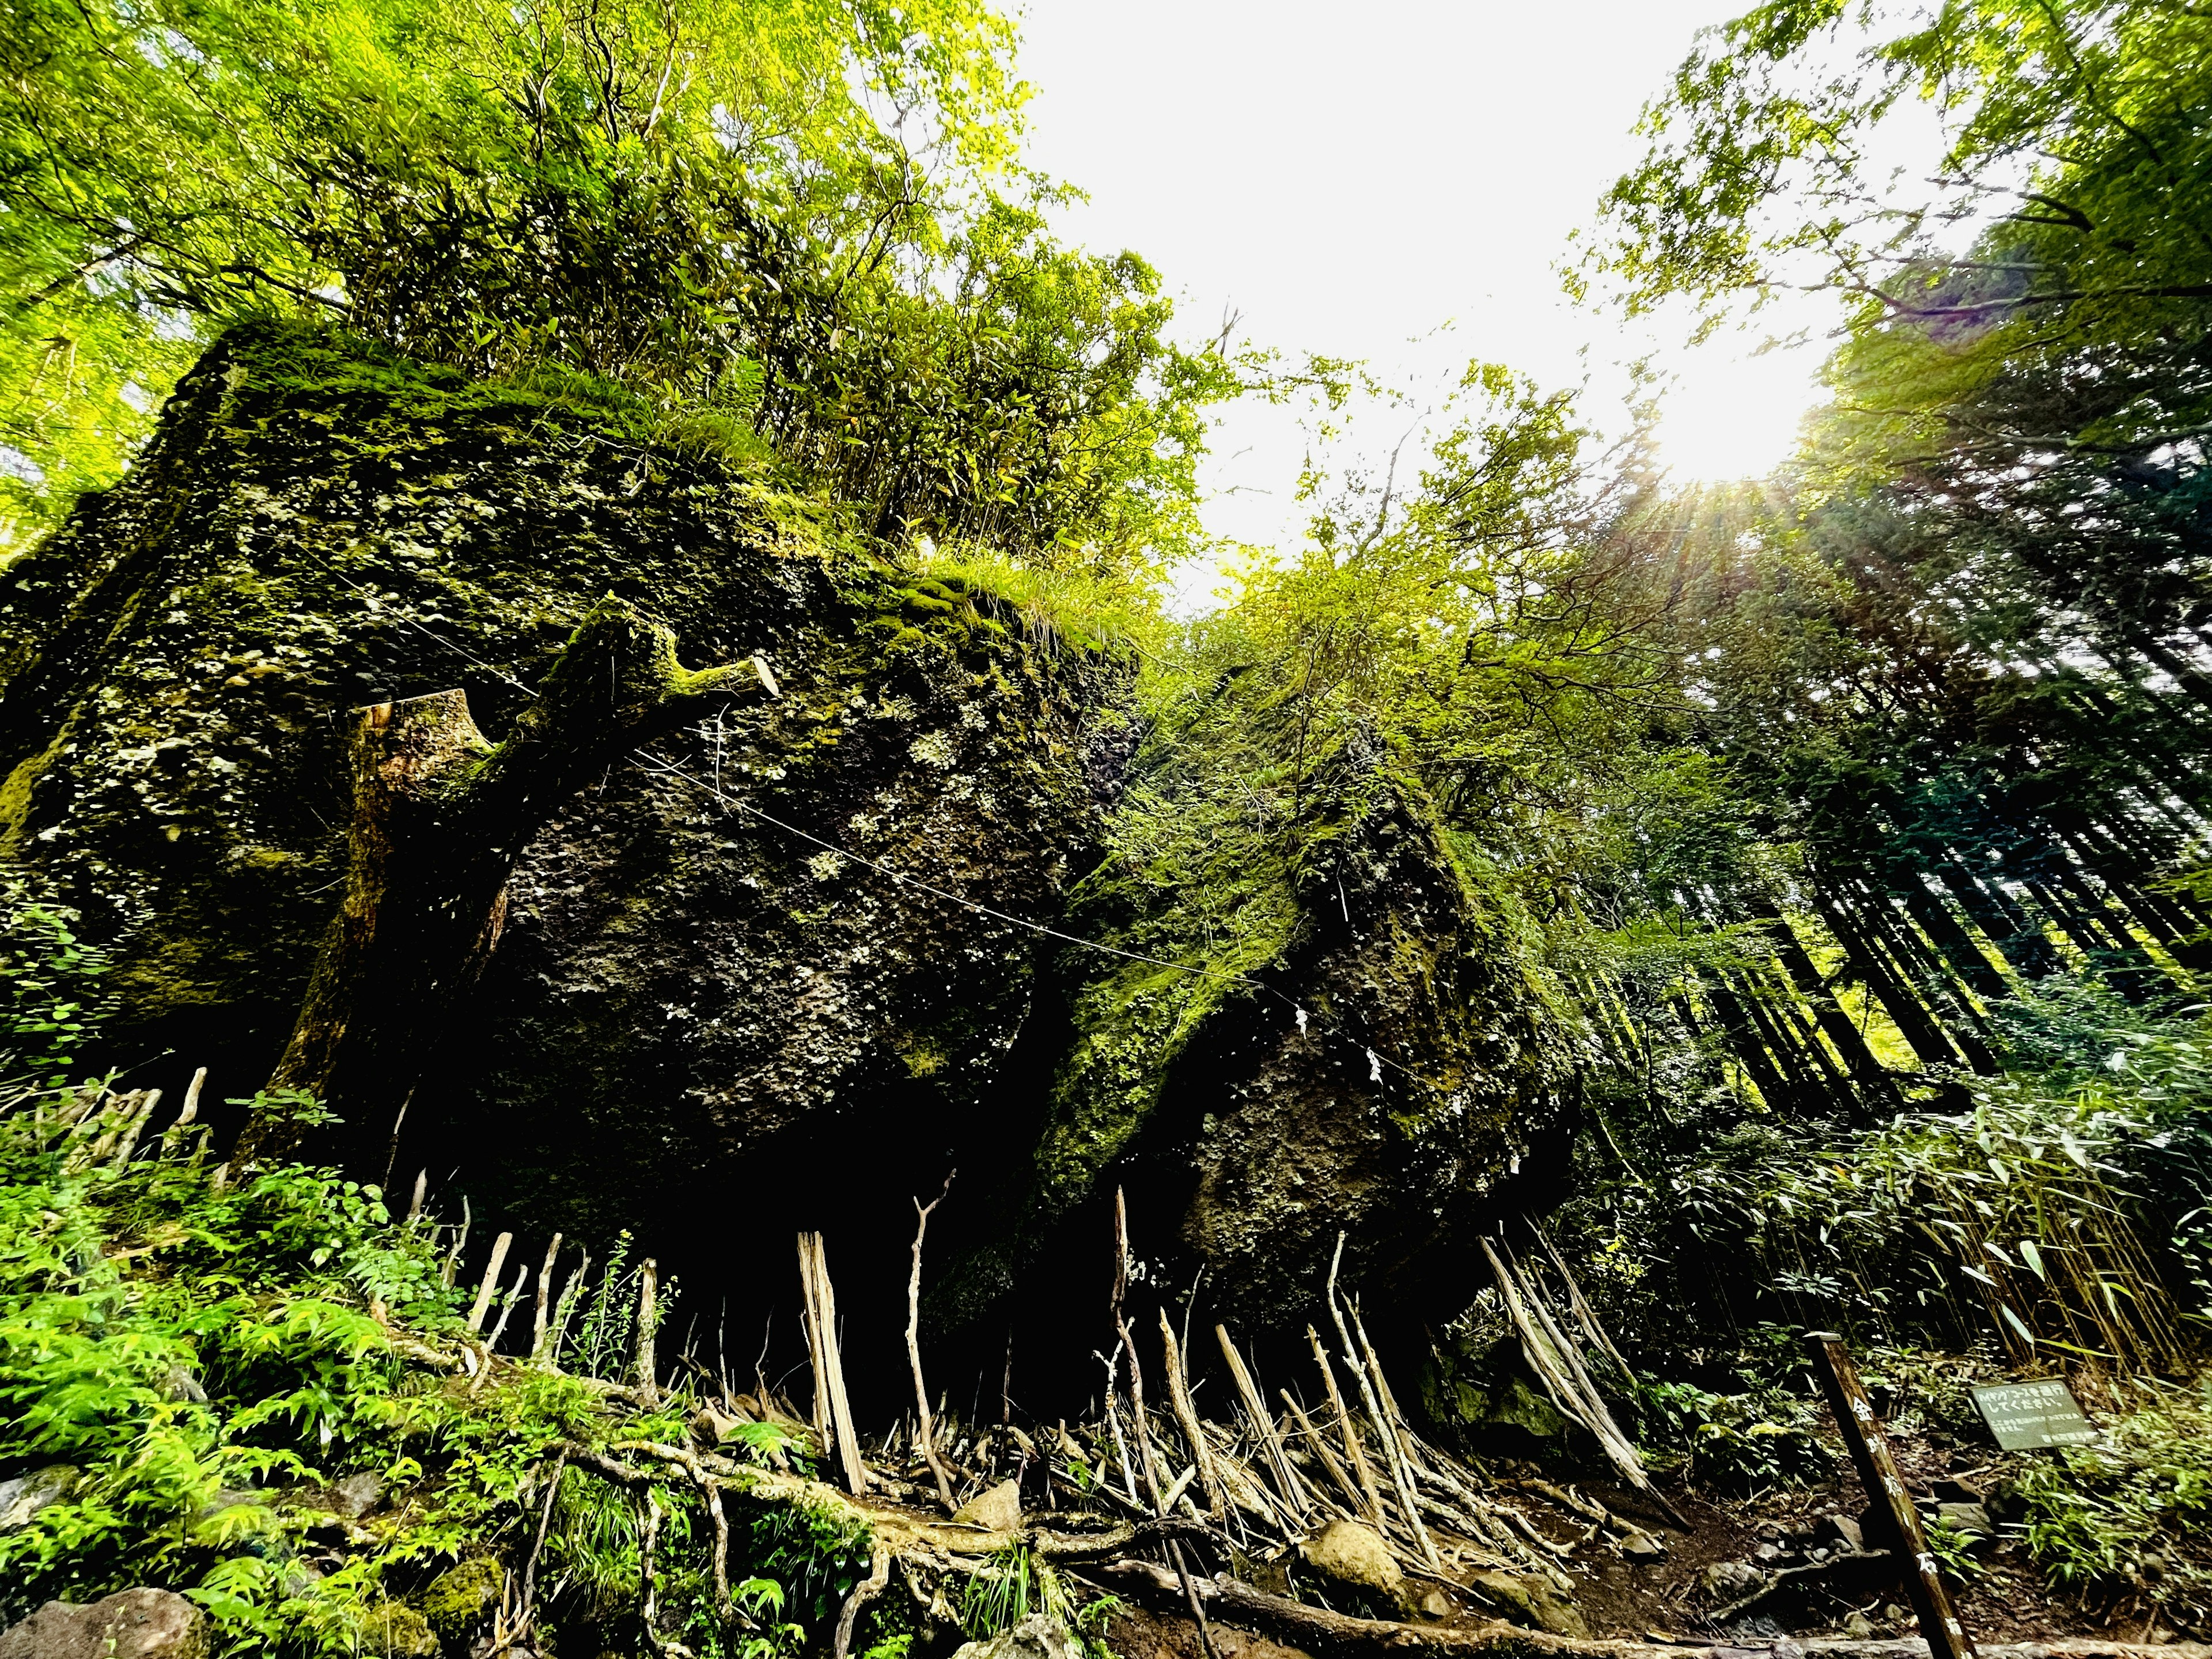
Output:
x=1729 y=417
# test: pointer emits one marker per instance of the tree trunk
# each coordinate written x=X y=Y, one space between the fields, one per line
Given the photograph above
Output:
x=441 y=814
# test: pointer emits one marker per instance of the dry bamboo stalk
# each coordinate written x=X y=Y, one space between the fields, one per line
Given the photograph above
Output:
x=840 y=1407
x=1388 y=1426
x=648 y=1317
x=1336 y=1470
x=1296 y=1499
x=1373 y=1502
x=507 y=1307
x=422 y=1191
x=499 y=1249
x=1399 y=1476
x=537 y=1326
x=188 y=1114
x=461 y=1242
x=926 y=1433
x=1186 y=1416
x=565 y=1307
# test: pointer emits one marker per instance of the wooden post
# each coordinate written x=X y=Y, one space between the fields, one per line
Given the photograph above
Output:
x=648 y=1316
x=1885 y=1490
x=538 y=1330
x=833 y=1412
x=1295 y=1499
x=1186 y=1416
x=913 y=1350
x=484 y=1291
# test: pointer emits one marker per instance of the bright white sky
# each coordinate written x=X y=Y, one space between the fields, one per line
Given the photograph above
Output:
x=1352 y=177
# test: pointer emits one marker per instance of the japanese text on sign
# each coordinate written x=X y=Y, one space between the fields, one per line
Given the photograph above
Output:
x=2026 y=1415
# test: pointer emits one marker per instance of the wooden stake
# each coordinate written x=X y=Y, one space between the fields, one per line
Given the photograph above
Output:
x=537 y=1328
x=1353 y=1449
x=833 y=1410
x=1296 y=1500
x=648 y=1316
x=1884 y=1489
x=1186 y=1416
x=913 y=1348
x=1336 y=1471
x=811 y=1321
x=1398 y=1477
x=484 y=1291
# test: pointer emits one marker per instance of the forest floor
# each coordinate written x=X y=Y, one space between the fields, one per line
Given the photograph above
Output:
x=1763 y=1571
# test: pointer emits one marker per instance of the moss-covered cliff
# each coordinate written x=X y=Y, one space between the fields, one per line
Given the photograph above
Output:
x=743 y=982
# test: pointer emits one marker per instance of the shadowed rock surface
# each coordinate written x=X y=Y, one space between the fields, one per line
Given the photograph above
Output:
x=743 y=984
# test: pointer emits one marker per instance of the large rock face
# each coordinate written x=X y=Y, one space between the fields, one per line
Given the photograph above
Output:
x=680 y=976
x=774 y=972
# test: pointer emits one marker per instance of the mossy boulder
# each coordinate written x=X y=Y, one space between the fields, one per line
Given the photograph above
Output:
x=812 y=910
x=783 y=968
x=455 y=1607
x=396 y=1631
x=1378 y=1058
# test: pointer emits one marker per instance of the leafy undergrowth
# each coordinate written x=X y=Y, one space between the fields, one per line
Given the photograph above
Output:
x=264 y=1395
x=2070 y=1539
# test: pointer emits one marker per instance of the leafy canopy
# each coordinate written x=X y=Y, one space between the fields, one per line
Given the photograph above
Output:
x=797 y=229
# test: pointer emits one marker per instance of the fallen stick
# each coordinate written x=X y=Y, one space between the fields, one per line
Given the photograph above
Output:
x=1186 y=1416
x=1336 y=1470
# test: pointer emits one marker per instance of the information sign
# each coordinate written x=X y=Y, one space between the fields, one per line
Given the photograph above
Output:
x=2027 y=1415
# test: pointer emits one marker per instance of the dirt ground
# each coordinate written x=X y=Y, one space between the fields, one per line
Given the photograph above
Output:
x=1733 y=1545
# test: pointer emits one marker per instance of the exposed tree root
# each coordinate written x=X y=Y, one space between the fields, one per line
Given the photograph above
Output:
x=1324 y=1633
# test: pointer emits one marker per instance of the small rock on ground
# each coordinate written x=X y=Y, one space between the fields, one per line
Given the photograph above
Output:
x=22 y=1499
x=1353 y=1554
x=1035 y=1637
x=1532 y=1601
x=132 y=1624
x=999 y=1509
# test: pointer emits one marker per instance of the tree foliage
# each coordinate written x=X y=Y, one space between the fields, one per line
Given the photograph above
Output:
x=795 y=230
